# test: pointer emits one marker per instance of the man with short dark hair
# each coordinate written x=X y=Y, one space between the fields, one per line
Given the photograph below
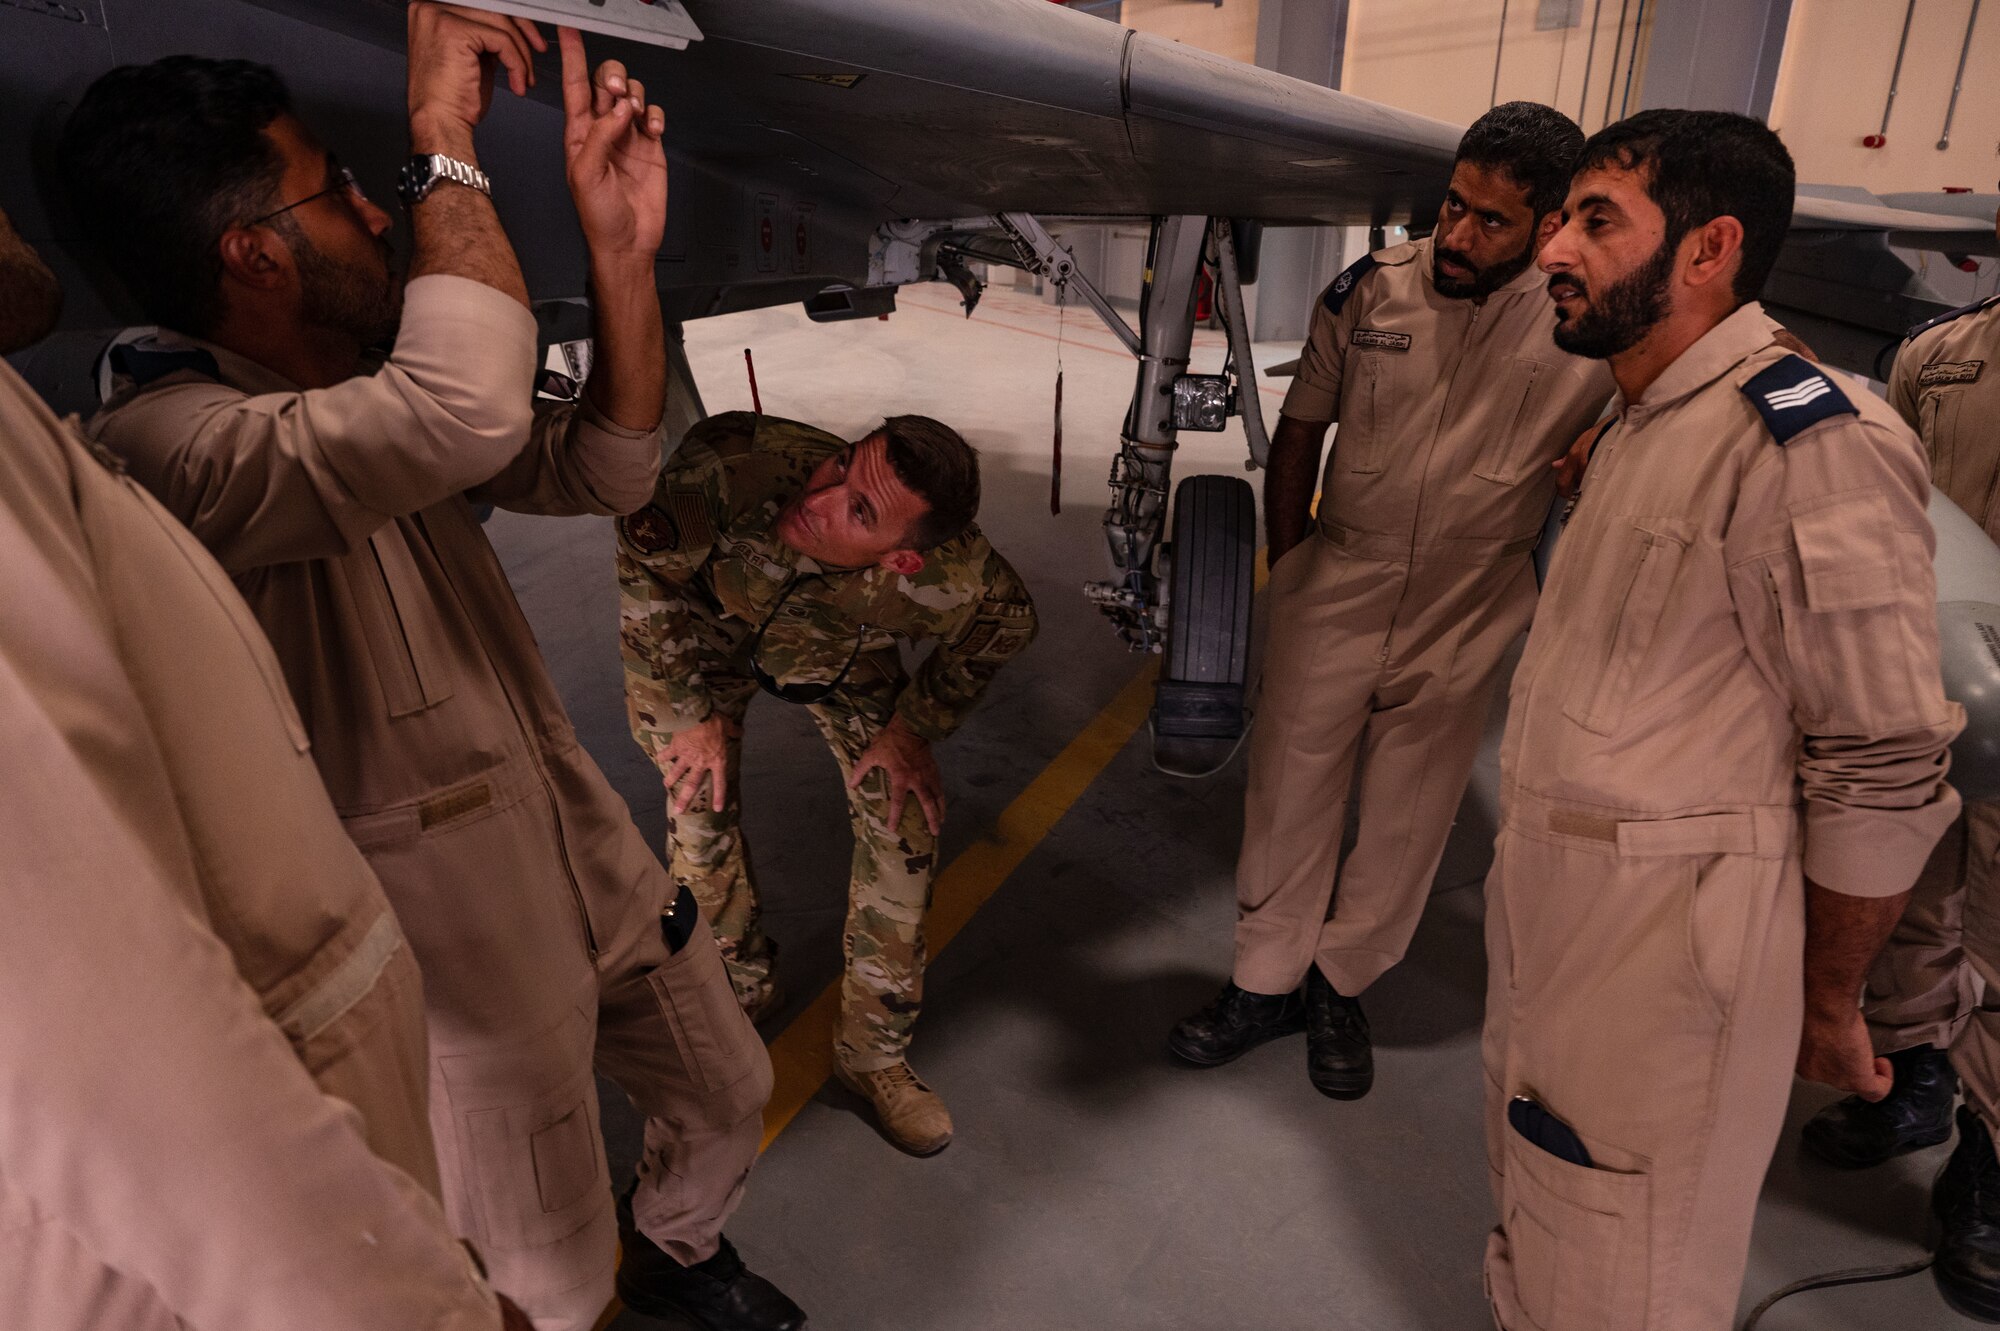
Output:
x=1391 y=618
x=1725 y=756
x=779 y=556
x=339 y=490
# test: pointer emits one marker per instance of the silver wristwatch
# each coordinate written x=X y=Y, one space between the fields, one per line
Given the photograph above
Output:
x=421 y=174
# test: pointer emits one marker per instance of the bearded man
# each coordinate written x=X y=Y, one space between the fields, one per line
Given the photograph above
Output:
x=1725 y=752
x=1391 y=615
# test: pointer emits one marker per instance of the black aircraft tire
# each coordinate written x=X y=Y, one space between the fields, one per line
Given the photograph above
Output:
x=1210 y=587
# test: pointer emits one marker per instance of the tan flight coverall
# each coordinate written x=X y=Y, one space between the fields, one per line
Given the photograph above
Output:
x=531 y=900
x=1732 y=680
x=211 y=1018
x=1946 y=948
x=1389 y=623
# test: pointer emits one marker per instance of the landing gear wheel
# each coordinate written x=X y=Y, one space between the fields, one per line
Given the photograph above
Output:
x=1198 y=717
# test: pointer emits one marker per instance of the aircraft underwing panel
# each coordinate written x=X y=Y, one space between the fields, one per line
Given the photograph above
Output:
x=655 y=22
x=1016 y=105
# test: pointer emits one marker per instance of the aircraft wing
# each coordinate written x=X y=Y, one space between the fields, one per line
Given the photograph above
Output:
x=985 y=106
x=1914 y=221
x=911 y=108
x=798 y=128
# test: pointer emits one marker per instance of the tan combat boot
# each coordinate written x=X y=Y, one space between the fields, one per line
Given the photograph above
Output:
x=910 y=1114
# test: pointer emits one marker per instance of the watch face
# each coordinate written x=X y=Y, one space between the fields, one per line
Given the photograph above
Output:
x=415 y=179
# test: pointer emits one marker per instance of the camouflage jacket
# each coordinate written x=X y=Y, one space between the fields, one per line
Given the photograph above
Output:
x=700 y=568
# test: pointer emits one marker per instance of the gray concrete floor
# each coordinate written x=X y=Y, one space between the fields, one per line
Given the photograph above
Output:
x=1093 y=1184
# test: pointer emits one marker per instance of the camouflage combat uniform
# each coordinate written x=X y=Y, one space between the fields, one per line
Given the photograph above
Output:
x=700 y=570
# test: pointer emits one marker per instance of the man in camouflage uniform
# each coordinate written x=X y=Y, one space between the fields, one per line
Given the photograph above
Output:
x=776 y=555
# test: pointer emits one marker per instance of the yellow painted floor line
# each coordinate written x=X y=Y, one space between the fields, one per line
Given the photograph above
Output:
x=802 y=1054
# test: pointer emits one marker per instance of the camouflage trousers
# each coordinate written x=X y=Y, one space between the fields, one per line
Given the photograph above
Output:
x=889 y=885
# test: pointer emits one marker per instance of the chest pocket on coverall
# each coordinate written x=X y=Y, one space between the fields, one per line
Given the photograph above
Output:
x=1643 y=560
x=392 y=601
x=1516 y=441
x=1364 y=415
x=1968 y=477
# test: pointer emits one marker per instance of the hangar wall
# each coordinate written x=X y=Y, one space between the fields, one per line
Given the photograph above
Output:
x=1835 y=78
x=1598 y=60
x=1227 y=29
x=1455 y=58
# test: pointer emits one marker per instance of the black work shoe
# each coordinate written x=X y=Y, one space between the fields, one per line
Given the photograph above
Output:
x=1234 y=1024
x=1340 y=1058
x=1854 y=1134
x=720 y=1294
x=1966 y=1198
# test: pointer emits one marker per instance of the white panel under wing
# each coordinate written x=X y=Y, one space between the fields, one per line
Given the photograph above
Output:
x=656 y=22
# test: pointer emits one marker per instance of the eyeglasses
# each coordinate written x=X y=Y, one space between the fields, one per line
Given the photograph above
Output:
x=343 y=181
x=802 y=694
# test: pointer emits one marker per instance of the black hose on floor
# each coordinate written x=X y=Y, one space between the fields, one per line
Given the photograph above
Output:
x=1853 y=1275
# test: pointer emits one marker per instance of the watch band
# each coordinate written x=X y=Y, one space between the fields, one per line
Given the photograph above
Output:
x=422 y=173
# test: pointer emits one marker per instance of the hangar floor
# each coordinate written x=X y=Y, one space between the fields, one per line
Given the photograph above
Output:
x=1093 y=1183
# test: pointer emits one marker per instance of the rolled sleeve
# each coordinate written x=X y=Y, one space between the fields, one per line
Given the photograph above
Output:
x=1841 y=611
x=578 y=460
x=1875 y=809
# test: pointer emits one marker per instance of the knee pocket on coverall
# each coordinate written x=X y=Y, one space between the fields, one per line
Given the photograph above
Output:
x=1579 y=1242
x=536 y=1166
x=716 y=1047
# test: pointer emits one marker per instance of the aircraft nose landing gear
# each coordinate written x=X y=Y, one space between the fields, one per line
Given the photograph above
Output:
x=1188 y=600
x=1191 y=599
x=1199 y=716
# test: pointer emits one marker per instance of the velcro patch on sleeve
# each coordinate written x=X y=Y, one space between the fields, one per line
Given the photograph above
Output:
x=651 y=531
x=993 y=638
x=690 y=513
x=677 y=522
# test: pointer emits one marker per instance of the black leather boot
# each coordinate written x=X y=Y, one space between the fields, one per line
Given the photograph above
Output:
x=1340 y=1056
x=1234 y=1024
x=1854 y=1134
x=1966 y=1198
x=720 y=1294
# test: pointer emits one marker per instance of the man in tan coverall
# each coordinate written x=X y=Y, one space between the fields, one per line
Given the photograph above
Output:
x=341 y=501
x=1926 y=1001
x=1725 y=752
x=1389 y=622
x=219 y=1123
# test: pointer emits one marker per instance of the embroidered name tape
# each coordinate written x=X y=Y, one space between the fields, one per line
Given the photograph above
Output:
x=1375 y=337
x=1951 y=372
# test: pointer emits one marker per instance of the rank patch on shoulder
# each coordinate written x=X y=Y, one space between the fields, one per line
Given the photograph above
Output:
x=1337 y=293
x=1792 y=394
x=1375 y=337
x=1951 y=372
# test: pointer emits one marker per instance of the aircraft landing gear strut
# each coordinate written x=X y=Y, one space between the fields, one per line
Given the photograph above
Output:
x=1188 y=599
